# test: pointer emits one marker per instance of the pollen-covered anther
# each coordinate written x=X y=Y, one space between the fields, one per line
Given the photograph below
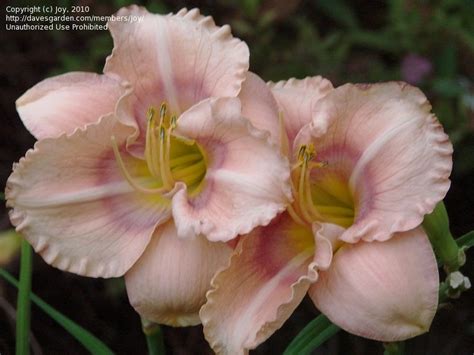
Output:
x=169 y=158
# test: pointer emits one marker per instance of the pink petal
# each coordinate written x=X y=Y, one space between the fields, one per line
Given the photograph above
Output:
x=72 y=204
x=169 y=282
x=259 y=106
x=391 y=152
x=296 y=99
x=182 y=59
x=247 y=179
x=269 y=274
x=65 y=102
x=386 y=291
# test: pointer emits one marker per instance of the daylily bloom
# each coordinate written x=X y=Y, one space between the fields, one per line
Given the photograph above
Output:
x=368 y=162
x=149 y=169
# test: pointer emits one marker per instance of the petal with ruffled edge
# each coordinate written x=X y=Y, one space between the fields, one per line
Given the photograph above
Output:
x=168 y=284
x=181 y=59
x=268 y=276
x=72 y=204
x=65 y=102
x=296 y=99
x=386 y=147
x=259 y=106
x=386 y=291
x=247 y=179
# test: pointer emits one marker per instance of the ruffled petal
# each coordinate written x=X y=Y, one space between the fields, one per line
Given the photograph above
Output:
x=180 y=59
x=388 y=149
x=169 y=282
x=247 y=179
x=72 y=204
x=65 y=102
x=386 y=291
x=269 y=274
x=296 y=100
x=259 y=106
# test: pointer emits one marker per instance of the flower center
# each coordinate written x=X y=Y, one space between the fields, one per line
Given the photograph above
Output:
x=169 y=158
x=326 y=199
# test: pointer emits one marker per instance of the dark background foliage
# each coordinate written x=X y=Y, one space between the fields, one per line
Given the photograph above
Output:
x=429 y=43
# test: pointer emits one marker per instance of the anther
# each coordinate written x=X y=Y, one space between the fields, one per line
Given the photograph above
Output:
x=163 y=109
x=173 y=122
x=150 y=113
x=302 y=153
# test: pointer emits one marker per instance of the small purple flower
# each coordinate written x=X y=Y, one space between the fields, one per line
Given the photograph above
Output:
x=415 y=68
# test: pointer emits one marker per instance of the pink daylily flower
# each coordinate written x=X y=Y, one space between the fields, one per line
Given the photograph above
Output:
x=149 y=169
x=369 y=161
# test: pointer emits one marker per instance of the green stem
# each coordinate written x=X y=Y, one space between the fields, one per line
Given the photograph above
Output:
x=24 y=303
x=154 y=337
x=443 y=292
x=436 y=226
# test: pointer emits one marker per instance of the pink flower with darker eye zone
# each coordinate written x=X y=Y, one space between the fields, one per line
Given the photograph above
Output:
x=149 y=169
x=368 y=162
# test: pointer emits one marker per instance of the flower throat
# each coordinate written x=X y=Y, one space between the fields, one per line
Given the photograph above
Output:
x=169 y=158
x=328 y=200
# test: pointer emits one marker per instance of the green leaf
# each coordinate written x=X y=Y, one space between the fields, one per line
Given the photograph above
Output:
x=89 y=341
x=313 y=335
x=23 y=309
x=466 y=241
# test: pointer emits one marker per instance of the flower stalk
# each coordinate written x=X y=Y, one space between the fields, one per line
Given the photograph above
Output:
x=154 y=337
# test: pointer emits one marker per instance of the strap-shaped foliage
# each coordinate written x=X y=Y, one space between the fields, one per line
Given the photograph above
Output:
x=89 y=341
x=313 y=335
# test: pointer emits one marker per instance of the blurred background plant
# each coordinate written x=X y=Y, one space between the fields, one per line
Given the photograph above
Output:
x=428 y=43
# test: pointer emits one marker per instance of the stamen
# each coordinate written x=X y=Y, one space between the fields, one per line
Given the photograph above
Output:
x=127 y=175
x=173 y=122
x=305 y=203
x=301 y=153
x=309 y=200
x=188 y=165
x=163 y=109
x=150 y=144
x=295 y=215
x=302 y=195
x=164 y=169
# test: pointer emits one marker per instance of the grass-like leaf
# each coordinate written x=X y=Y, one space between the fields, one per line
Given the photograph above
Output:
x=89 y=341
x=23 y=307
x=466 y=241
x=313 y=335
